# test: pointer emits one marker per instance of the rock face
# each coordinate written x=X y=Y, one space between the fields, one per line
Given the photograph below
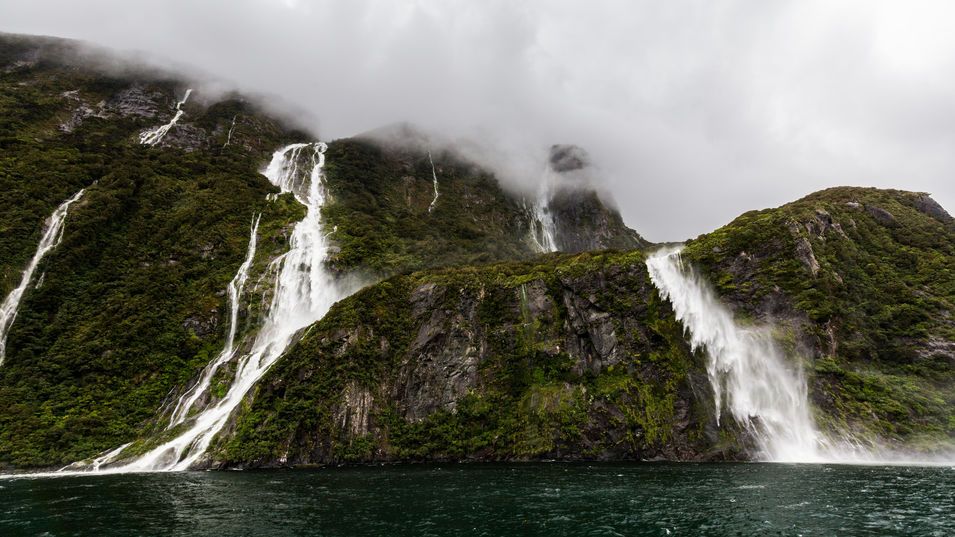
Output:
x=576 y=359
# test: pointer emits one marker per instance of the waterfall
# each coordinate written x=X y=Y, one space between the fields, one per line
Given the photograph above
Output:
x=188 y=399
x=434 y=174
x=543 y=226
x=52 y=233
x=228 y=139
x=154 y=136
x=304 y=290
x=747 y=371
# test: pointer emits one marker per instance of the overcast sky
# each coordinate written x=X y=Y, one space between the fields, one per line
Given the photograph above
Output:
x=696 y=111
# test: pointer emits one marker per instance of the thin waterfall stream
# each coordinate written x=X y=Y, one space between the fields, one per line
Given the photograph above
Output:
x=52 y=234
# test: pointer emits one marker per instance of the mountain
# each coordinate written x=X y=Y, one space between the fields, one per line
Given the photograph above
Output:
x=131 y=302
x=189 y=280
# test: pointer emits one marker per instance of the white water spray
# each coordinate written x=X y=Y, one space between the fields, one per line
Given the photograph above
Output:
x=747 y=371
x=154 y=136
x=188 y=400
x=434 y=174
x=52 y=233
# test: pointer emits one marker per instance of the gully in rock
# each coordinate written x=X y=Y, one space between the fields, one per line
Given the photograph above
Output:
x=543 y=226
x=52 y=234
x=154 y=136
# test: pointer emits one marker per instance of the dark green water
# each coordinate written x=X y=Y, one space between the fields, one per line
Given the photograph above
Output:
x=525 y=499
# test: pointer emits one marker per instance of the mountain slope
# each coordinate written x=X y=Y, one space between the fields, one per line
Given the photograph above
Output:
x=129 y=304
x=387 y=220
x=577 y=357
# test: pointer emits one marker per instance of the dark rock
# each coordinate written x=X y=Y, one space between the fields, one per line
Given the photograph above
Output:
x=929 y=206
x=585 y=223
x=565 y=158
x=137 y=101
x=881 y=216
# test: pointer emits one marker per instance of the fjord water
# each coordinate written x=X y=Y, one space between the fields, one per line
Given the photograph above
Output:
x=654 y=499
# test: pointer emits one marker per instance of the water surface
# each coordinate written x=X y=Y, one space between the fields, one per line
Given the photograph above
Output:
x=471 y=499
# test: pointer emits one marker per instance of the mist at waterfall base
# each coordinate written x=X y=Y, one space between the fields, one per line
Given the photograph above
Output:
x=652 y=499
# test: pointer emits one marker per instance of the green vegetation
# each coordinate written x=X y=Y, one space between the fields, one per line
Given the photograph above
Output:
x=559 y=356
x=379 y=209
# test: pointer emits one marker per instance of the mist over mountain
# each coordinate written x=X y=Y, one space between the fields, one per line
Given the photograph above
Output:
x=695 y=112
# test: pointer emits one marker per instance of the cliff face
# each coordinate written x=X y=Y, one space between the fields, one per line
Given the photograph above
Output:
x=570 y=357
x=584 y=223
x=861 y=283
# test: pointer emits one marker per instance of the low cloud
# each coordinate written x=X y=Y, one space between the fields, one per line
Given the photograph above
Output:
x=694 y=111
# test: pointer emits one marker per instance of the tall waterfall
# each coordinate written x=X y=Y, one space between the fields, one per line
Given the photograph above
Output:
x=154 y=136
x=746 y=369
x=543 y=225
x=52 y=233
x=304 y=290
x=236 y=286
x=434 y=175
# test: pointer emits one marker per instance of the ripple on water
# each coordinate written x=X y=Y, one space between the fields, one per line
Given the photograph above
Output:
x=527 y=499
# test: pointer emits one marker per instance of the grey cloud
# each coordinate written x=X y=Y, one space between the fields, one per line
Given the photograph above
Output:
x=694 y=111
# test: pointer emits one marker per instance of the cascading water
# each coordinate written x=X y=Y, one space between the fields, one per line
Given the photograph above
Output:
x=434 y=174
x=746 y=369
x=52 y=233
x=228 y=139
x=188 y=399
x=543 y=225
x=154 y=136
x=304 y=290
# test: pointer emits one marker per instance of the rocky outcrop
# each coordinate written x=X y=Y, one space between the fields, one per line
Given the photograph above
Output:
x=575 y=359
x=565 y=158
x=584 y=223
